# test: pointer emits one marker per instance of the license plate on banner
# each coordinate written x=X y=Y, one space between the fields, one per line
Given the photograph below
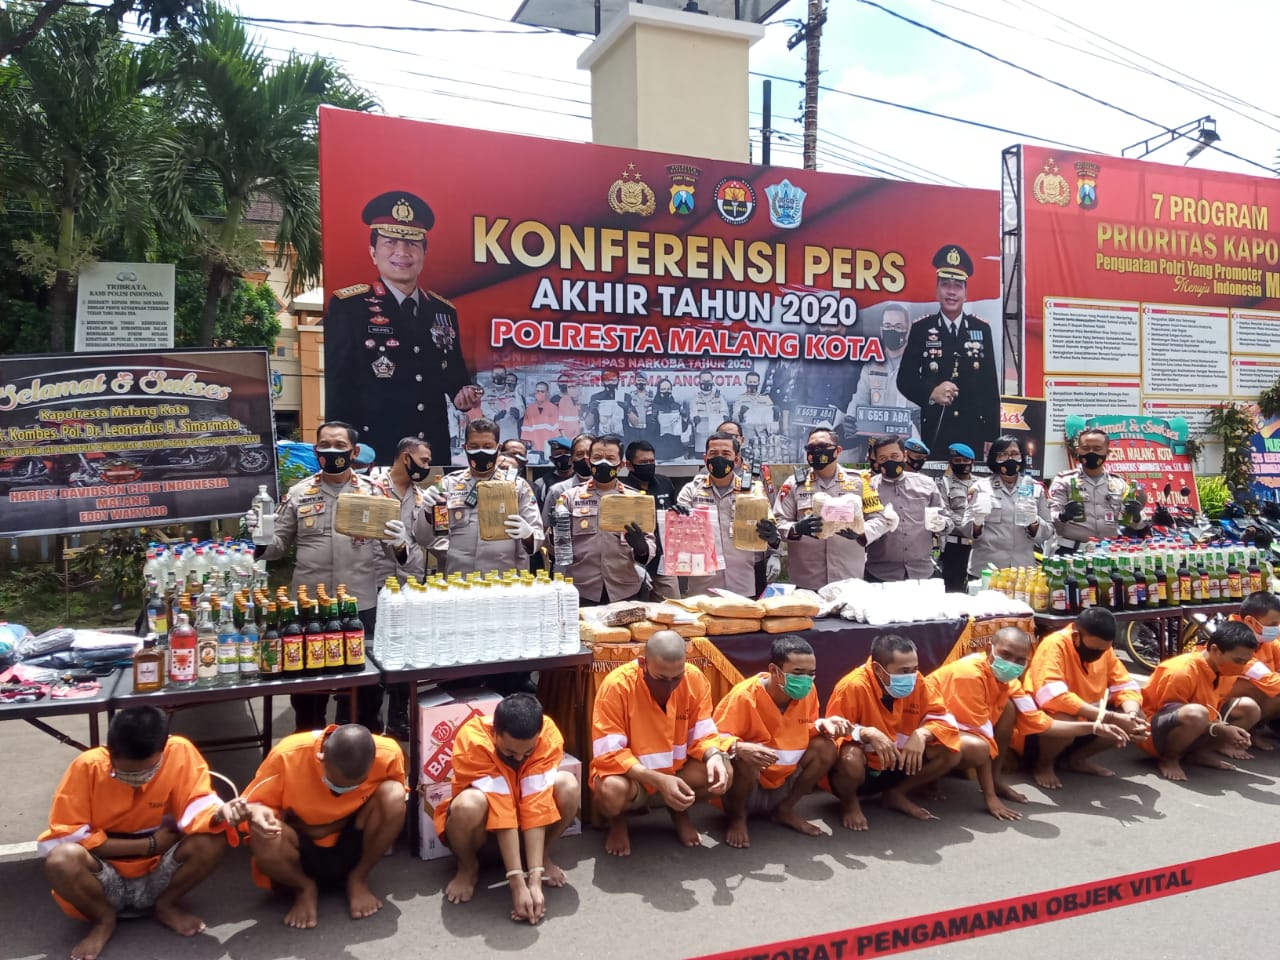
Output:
x=814 y=415
x=874 y=420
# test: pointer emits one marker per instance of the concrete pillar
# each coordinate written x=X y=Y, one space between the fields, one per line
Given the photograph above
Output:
x=673 y=82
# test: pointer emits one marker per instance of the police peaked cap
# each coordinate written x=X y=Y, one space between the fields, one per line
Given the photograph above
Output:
x=399 y=215
x=952 y=263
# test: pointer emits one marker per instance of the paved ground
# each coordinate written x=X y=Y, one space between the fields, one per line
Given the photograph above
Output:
x=667 y=902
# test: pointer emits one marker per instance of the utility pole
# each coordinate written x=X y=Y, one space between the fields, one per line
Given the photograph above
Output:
x=810 y=34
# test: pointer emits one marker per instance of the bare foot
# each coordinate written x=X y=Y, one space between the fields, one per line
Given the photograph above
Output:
x=1047 y=778
x=177 y=919
x=1006 y=792
x=736 y=834
x=789 y=818
x=1213 y=763
x=304 y=912
x=1262 y=742
x=893 y=800
x=1171 y=770
x=852 y=817
x=1086 y=766
x=360 y=899
x=686 y=832
x=552 y=875
x=91 y=946
x=1235 y=753
x=463 y=885
x=618 y=842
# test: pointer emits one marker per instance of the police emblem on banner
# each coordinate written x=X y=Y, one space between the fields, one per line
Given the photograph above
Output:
x=684 y=178
x=786 y=204
x=1086 y=184
x=630 y=194
x=1050 y=186
x=735 y=200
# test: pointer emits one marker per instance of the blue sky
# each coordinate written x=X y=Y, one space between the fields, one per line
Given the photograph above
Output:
x=527 y=82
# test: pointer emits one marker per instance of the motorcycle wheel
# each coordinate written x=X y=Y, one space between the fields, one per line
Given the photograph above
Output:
x=253 y=460
x=1143 y=645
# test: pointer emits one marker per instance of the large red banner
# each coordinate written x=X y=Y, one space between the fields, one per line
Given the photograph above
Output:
x=1150 y=288
x=553 y=269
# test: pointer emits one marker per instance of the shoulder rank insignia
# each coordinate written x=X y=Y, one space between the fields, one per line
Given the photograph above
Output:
x=352 y=291
x=447 y=303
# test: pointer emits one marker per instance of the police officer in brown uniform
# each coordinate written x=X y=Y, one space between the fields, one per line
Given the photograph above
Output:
x=306 y=517
x=949 y=368
x=392 y=350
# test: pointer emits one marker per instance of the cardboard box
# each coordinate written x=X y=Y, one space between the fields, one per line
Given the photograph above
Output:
x=440 y=714
x=433 y=848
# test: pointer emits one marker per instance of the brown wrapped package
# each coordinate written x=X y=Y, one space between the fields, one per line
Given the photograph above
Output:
x=726 y=626
x=598 y=633
x=498 y=500
x=644 y=629
x=786 y=624
x=665 y=613
x=362 y=515
x=729 y=607
x=748 y=510
x=616 y=511
x=798 y=603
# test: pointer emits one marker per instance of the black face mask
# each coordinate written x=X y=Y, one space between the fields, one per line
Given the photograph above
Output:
x=719 y=467
x=644 y=471
x=916 y=464
x=562 y=462
x=752 y=387
x=1009 y=468
x=661 y=689
x=416 y=473
x=609 y=387
x=961 y=470
x=482 y=461
x=892 y=469
x=665 y=394
x=1092 y=461
x=893 y=339
x=333 y=461
x=706 y=387
x=1089 y=654
x=819 y=457
x=604 y=472
x=582 y=467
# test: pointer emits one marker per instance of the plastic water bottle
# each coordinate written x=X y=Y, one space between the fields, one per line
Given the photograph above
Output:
x=423 y=655
x=396 y=620
x=412 y=622
x=1024 y=510
x=549 y=617
x=563 y=535
x=464 y=628
x=569 y=642
x=528 y=610
x=445 y=646
x=378 y=641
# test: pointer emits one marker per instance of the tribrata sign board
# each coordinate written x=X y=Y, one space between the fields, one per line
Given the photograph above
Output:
x=570 y=287
x=132 y=439
x=125 y=306
x=1150 y=289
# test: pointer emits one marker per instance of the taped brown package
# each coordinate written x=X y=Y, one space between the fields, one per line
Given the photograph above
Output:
x=748 y=510
x=498 y=500
x=616 y=511
x=726 y=626
x=786 y=624
x=742 y=607
x=798 y=603
x=363 y=515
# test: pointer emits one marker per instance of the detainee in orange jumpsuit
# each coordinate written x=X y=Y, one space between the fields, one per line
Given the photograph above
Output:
x=507 y=783
x=783 y=748
x=984 y=693
x=653 y=741
x=1260 y=681
x=134 y=826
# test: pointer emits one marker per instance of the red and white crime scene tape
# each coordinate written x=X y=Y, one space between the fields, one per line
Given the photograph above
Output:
x=1016 y=913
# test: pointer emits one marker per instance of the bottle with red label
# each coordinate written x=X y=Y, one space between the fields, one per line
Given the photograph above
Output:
x=182 y=653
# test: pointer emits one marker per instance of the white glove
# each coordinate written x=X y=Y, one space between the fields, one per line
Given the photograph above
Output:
x=396 y=533
x=251 y=522
x=980 y=505
x=772 y=568
x=434 y=496
x=934 y=521
x=891 y=515
x=518 y=528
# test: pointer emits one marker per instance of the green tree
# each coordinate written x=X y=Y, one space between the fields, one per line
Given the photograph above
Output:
x=250 y=125
x=76 y=136
x=152 y=15
x=248 y=317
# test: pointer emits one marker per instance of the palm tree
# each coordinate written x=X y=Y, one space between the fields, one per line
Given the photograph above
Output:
x=77 y=133
x=249 y=125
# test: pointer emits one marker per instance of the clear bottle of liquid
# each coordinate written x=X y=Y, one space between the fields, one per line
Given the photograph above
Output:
x=549 y=618
x=563 y=535
x=396 y=632
x=429 y=599
x=265 y=509
x=415 y=618
x=529 y=609
x=228 y=642
x=569 y=639
x=454 y=645
x=206 y=648
x=250 y=654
